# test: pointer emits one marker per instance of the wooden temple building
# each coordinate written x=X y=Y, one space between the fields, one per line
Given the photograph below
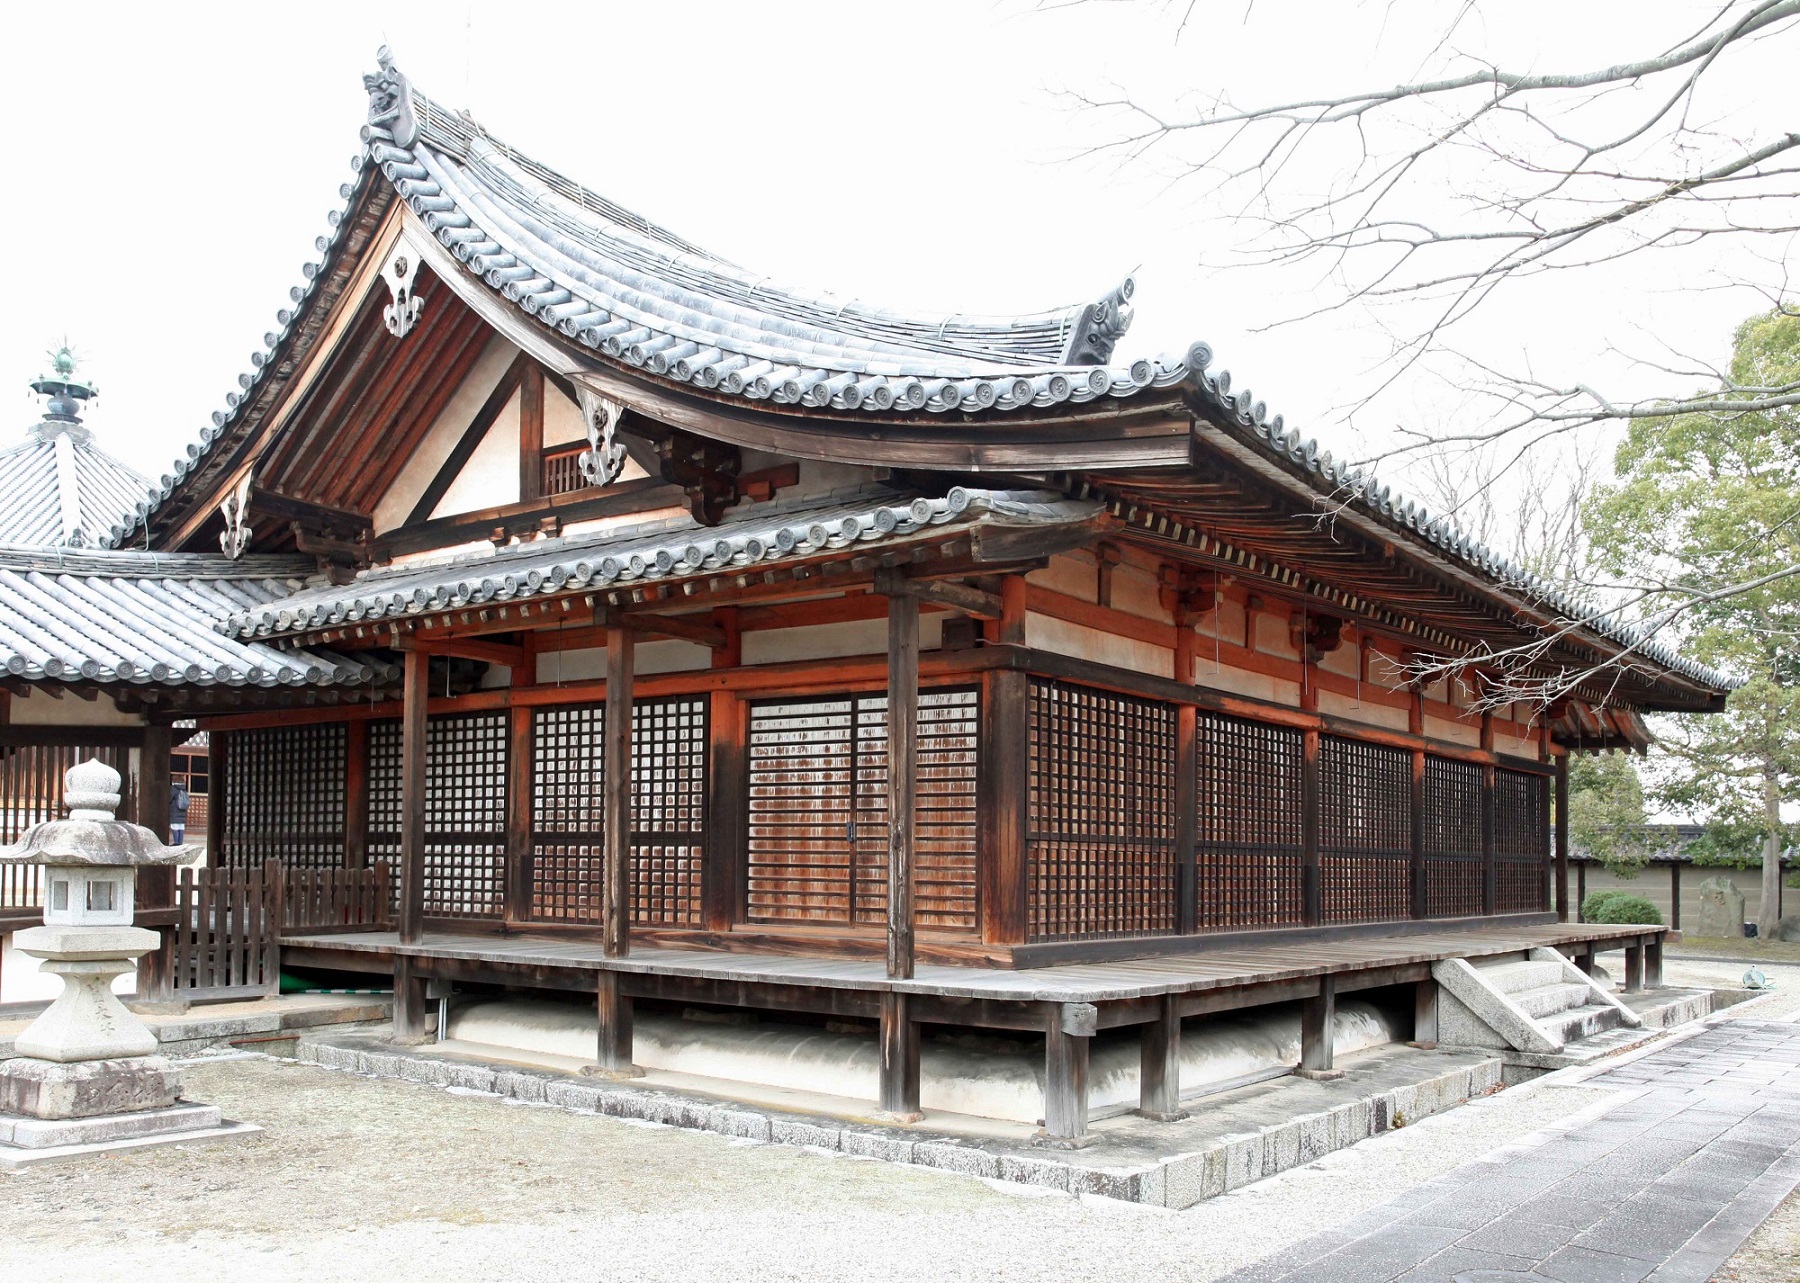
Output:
x=764 y=649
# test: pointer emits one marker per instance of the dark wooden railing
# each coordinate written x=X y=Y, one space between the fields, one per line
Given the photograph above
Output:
x=561 y=470
x=222 y=942
x=336 y=900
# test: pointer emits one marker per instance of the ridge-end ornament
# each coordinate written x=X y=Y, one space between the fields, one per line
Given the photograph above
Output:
x=400 y=272
x=604 y=459
x=390 y=101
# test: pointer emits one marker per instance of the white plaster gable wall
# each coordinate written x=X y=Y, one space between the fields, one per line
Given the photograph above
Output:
x=397 y=504
x=491 y=476
x=563 y=424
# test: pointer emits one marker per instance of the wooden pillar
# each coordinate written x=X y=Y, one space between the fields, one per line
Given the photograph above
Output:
x=725 y=869
x=613 y=1010
x=531 y=433
x=412 y=808
x=620 y=678
x=1068 y=1030
x=1003 y=764
x=1580 y=887
x=218 y=801
x=1425 y=1013
x=1674 y=895
x=1187 y=819
x=1159 y=1063
x=1562 y=842
x=1634 y=968
x=156 y=886
x=519 y=768
x=1318 y=1016
x=356 y=794
x=903 y=753
x=1490 y=871
x=1415 y=723
x=1653 y=962
x=409 y=998
x=899 y=1060
x=1312 y=891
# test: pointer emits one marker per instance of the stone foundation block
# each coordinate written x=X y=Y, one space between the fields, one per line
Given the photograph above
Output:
x=786 y=1131
x=890 y=1149
x=951 y=1157
x=83 y=1089
x=53 y=1133
x=1034 y=1171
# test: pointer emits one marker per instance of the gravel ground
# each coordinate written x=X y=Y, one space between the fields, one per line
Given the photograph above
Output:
x=362 y=1179
x=1772 y=1254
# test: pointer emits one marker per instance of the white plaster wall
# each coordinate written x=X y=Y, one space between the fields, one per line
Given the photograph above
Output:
x=491 y=476
x=833 y=641
x=587 y=665
x=1135 y=592
x=1369 y=713
x=1045 y=633
x=1273 y=637
x=1236 y=681
x=563 y=424
x=456 y=415
x=1071 y=574
x=1456 y=732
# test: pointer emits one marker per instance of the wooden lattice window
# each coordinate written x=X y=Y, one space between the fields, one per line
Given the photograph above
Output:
x=817 y=811
x=287 y=786
x=1100 y=813
x=1365 y=831
x=1453 y=869
x=465 y=811
x=1521 y=841
x=559 y=470
x=31 y=791
x=668 y=812
x=1249 y=843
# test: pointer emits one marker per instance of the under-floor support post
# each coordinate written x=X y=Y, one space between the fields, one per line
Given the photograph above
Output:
x=1584 y=960
x=1068 y=1030
x=1634 y=968
x=612 y=1052
x=1653 y=963
x=1675 y=894
x=1425 y=1013
x=899 y=1060
x=409 y=1000
x=1318 y=1017
x=1159 y=1063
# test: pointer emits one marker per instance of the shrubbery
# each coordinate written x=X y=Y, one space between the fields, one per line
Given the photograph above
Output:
x=1619 y=908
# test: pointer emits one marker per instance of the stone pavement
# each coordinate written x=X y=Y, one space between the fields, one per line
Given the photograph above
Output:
x=1663 y=1187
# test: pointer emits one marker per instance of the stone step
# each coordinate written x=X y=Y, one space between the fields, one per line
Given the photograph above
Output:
x=1551 y=1000
x=1582 y=1022
x=1516 y=977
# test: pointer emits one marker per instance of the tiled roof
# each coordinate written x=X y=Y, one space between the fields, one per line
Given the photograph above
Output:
x=669 y=550
x=58 y=487
x=150 y=619
x=637 y=293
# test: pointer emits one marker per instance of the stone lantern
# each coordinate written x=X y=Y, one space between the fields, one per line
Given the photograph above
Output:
x=86 y=1076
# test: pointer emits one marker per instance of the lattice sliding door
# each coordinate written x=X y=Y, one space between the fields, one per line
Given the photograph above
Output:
x=818 y=811
x=1100 y=814
x=1365 y=831
x=465 y=811
x=1521 y=841
x=1248 y=827
x=668 y=812
x=287 y=788
x=1452 y=838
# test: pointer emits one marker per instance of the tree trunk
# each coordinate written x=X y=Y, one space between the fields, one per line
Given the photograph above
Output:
x=1770 y=911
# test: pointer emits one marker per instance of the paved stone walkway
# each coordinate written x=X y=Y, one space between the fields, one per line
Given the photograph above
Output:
x=1663 y=1187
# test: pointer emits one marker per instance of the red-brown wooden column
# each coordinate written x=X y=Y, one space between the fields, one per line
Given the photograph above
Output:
x=1490 y=871
x=356 y=794
x=726 y=857
x=518 y=815
x=899 y=1082
x=155 y=887
x=409 y=986
x=1562 y=838
x=1004 y=763
x=1312 y=889
x=1415 y=722
x=613 y=1006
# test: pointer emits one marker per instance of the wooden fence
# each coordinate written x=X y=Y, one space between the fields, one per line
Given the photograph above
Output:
x=222 y=938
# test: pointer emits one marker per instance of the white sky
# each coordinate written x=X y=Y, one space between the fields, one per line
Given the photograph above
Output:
x=176 y=163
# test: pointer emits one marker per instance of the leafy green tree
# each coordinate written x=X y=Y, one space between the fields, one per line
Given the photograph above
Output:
x=1705 y=519
x=1606 y=812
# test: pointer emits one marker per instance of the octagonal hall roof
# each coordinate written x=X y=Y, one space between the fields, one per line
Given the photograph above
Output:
x=58 y=488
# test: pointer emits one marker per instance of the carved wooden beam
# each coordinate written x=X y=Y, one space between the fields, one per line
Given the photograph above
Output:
x=941 y=592
x=706 y=471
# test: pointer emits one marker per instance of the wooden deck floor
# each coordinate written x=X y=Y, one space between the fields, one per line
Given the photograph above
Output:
x=1099 y=982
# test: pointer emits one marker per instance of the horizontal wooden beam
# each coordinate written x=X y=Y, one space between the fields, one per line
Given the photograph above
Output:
x=940 y=592
x=26 y=736
x=490 y=652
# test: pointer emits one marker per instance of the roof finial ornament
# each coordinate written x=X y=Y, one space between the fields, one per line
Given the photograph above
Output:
x=64 y=393
x=400 y=272
x=236 y=511
x=604 y=459
x=390 y=101
x=1100 y=326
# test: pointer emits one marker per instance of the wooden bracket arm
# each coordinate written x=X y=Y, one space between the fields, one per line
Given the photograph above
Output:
x=940 y=592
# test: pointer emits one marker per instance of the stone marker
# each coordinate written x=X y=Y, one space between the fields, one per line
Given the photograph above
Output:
x=1721 y=911
x=86 y=1076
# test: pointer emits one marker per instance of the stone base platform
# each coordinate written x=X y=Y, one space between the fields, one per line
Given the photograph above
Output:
x=1232 y=1139
x=257 y=1024
x=27 y=1142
